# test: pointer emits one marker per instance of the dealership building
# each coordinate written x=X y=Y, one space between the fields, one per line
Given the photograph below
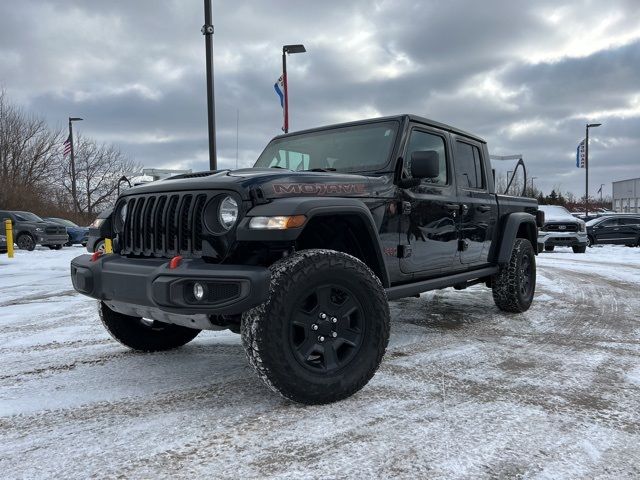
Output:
x=626 y=196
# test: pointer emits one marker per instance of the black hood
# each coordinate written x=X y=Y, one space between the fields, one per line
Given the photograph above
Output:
x=273 y=182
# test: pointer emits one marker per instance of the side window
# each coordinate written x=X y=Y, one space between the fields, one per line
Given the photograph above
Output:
x=469 y=166
x=612 y=222
x=423 y=141
x=630 y=221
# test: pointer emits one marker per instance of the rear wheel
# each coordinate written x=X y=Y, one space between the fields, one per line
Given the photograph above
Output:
x=549 y=248
x=577 y=249
x=590 y=241
x=26 y=242
x=515 y=283
x=321 y=334
x=144 y=335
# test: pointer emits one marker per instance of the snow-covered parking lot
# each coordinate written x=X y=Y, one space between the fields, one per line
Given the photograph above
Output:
x=465 y=391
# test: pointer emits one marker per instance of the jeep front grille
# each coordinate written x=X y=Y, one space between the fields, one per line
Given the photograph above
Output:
x=163 y=225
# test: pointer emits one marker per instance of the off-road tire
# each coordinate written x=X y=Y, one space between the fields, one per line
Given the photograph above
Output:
x=134 y=333
x=577 y=249
x=266 y=329
x=511 y=292
x=26 y=242
x=549 y=248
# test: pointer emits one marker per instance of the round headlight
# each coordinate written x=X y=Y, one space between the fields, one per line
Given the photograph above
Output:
x=228 y=212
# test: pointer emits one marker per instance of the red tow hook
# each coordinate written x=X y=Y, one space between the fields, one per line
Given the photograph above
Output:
x=96 y=256
x=175 y=262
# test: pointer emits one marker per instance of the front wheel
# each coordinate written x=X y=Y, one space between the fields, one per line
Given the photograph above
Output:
x=321 y=334
x=515 y=283
x=55 y=247
x=26 y=242
x=578 y=249
x=144 y=335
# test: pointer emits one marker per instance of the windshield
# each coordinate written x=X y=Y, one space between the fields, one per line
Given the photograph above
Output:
x=27 y=217
x=347 y=149
x=62 y=221
x=554 y=210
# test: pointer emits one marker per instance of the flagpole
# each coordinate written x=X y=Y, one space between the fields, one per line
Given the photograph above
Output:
x=286 y=92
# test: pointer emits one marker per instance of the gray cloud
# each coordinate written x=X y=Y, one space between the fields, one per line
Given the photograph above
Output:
x=524 y=75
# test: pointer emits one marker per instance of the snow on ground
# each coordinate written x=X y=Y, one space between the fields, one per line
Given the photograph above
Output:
x=465 y=391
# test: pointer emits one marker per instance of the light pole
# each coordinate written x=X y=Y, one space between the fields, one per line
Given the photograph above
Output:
x=285 y=50
x=601 y=185
x=532 y=179
x=73 y=162
x=207 y=31
x=586 y=167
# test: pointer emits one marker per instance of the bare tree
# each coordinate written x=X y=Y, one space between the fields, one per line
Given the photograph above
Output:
x=98 y=169
x=28 y=150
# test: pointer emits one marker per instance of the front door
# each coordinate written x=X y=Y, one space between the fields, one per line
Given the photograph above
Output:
x=478 y=207
x=429 y=231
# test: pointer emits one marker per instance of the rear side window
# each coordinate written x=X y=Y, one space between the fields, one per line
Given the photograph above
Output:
x=612 y=222
x=630 y=221
x=423 y=141
x=469 y=166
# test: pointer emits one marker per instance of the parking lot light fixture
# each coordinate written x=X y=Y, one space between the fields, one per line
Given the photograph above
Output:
x=286 y=49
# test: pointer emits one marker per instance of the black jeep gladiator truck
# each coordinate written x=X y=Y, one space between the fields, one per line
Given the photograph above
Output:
x=301 y=253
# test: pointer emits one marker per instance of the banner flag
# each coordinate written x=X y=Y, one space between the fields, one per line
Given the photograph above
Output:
x=580 y=155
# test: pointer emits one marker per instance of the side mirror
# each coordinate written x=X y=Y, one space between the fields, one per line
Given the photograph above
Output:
x=425 y=164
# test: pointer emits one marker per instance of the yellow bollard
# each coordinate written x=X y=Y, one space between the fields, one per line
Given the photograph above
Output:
x=108 y=246
x=9 y=229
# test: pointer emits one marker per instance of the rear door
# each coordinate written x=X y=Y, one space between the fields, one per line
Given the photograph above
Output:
x=608 y=231
x=478 y=206
x=630 y=230
x=429 y=224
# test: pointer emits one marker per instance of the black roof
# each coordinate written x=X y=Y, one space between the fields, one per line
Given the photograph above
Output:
x=402 y=117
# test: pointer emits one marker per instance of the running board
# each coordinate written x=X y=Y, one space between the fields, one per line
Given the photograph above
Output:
x=412 y=289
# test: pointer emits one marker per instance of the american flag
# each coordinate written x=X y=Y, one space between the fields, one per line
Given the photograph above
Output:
x=67 y=146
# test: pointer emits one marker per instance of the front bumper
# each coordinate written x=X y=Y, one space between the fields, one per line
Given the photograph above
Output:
x=44 y=239
x=153 y=290
x=563 y=239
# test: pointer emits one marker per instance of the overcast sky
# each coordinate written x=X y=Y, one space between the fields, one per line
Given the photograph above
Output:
x=524 y=75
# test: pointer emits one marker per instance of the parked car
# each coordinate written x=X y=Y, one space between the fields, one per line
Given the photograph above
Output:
x=617 y=229
x=95 y=239
x=301 y=253
x=30 y=230
x=77 y=234
x=562 y=229
x=3 y=244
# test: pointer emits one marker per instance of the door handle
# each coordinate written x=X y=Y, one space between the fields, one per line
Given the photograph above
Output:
x=484 y=208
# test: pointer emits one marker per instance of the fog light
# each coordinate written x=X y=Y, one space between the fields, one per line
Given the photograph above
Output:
x=198 y=291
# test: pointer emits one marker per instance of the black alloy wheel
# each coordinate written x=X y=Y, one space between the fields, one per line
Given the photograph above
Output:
x=26 y=242
x=327 y=328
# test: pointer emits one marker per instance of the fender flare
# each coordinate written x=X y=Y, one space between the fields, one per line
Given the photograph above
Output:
x=511 y=226
x=312 y=207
